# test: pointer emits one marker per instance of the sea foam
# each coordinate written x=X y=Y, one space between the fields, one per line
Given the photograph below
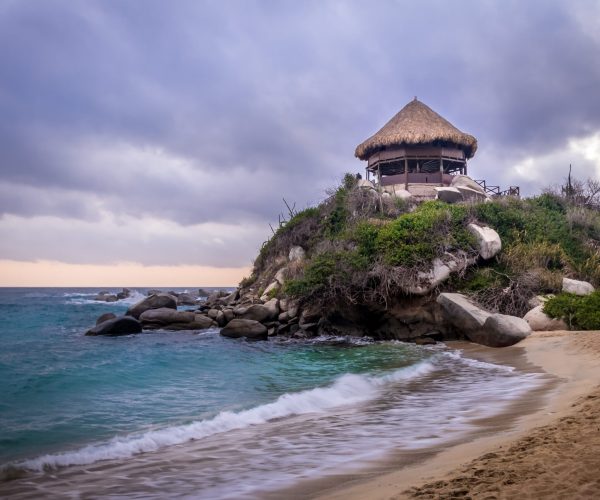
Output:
x=349 y=389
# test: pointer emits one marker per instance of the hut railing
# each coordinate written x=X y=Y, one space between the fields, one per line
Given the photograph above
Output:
x=495 y=190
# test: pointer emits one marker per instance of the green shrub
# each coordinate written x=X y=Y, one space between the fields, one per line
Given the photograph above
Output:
x=581 y=312
x=422 y=235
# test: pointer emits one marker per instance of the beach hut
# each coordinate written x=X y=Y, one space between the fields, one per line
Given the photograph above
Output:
x=417 y=146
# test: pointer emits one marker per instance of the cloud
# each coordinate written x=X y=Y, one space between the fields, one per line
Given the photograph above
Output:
x=201 y=113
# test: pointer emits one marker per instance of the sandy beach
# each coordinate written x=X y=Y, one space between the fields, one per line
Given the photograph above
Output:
x=551 y=452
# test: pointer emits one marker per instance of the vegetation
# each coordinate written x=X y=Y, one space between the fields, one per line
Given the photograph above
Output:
x=581 y=312
x=362 y=247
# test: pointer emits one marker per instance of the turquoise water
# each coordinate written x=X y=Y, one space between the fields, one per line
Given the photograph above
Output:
x=68 y=400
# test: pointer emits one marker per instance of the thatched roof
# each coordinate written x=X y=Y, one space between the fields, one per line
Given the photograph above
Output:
x=415 y=124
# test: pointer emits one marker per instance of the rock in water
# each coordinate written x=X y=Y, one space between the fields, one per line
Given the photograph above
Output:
x=539 y=321
x=105 y=317
x=156 y=301
x=488 y=240
x=170 y=319
x=247 y=328
x=577 y=287
x=123 y=325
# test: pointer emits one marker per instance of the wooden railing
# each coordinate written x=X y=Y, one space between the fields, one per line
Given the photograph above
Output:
x=495 y=190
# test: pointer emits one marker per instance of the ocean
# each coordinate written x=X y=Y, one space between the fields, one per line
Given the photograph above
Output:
x=196 y=415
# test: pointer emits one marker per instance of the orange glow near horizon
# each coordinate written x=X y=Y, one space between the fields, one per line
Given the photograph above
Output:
x=59 y=274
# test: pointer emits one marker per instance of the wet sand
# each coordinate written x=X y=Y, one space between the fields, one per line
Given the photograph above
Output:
x=551 y=451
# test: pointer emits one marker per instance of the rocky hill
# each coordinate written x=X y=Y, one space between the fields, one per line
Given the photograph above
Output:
x=365 y=263
x=391 y=265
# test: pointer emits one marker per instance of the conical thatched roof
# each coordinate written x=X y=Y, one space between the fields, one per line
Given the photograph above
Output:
x=415 y=124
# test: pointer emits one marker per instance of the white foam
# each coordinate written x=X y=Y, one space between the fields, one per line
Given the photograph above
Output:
x=347 y=390
x=80 y=299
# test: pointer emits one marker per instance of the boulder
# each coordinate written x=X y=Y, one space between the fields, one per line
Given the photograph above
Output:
x=122 y=325
x=281 y=275
x=539 y=300
x=213 y=298
x=297 y=254
x=448 y=194
x=228 y=315
x=124 y=293
x=398 y=192
x=461 y=312
x=577 y=287
x=247 y=328
x=186 y=299
x=292 y=307
x=105 y=317
x=255 y=312
x=231 y=298
x=439 y=273
x=364 y=184
x=272 y=288
x=467 y=182
x=154 y=291
x=500 y=330
x=488 y=240
x=273 y=307
x=283 y=317
x=157 y=301
x=106 y=297
x=539 y=321
x=220 y=319
x=469 y=194
x=169 y=319
x=310 y=315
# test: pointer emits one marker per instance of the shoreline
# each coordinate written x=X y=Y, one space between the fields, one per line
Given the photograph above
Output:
x=571 y=358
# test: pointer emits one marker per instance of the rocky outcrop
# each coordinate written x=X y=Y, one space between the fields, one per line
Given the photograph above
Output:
x=500 y=330
x=297 y=254
x=157 y=301
x=439 y=273
x=106 y=297
x=461 y=312
x=187 y=299
x=448 y=194
x=255 y=312
x=539 y=321
x=577 y=287
x=488 y=240
x=465 y=181
x=105 y=317
x=247 y=328
x=122 y=325
x=482 y=327
x=170 y=319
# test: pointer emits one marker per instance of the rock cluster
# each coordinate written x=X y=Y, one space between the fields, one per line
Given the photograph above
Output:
x=105 y=296
x=480 y=326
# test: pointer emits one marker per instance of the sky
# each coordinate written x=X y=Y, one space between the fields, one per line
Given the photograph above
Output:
x=151 y=143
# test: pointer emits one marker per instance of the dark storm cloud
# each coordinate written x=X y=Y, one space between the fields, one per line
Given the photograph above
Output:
x=214 y=111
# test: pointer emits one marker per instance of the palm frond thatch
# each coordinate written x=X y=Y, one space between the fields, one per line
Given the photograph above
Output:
x=416 y=124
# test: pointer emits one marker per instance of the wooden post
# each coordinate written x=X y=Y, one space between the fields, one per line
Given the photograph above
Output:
x=441 y=171
x=465 y=169
x=405 y=174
